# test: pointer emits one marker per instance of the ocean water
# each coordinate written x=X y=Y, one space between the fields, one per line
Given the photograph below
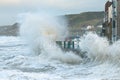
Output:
x=18 y=63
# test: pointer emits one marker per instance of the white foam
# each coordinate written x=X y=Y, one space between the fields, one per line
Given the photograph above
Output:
x=99 y=50
x=95 y=46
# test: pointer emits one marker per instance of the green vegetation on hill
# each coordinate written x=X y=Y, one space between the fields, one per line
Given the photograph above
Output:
x=76 y=22
x=87 y=18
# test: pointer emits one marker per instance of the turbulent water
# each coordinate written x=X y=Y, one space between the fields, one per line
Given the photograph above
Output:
x=17 y=62
x=35 y=56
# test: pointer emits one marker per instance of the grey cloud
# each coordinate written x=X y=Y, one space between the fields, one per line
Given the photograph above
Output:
x=14 y=7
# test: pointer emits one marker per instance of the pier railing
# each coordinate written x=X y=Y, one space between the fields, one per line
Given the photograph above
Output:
x=68 y=45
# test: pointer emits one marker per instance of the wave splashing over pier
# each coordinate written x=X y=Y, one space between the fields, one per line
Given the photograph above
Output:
x=42 y=32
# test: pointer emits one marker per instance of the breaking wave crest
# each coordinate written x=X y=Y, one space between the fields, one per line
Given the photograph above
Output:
x=99 y=50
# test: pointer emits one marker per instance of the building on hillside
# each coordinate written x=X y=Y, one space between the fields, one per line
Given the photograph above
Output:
x=118 y=19
x=107 y=25
x=111 y=24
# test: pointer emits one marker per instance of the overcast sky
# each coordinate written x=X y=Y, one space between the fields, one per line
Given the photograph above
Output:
x=10 y=9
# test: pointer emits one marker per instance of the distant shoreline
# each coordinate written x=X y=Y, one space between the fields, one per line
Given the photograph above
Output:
x=76 y=22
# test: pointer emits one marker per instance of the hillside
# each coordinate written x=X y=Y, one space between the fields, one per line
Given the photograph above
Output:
x=76 y=22
x=86 y=18
x=9 y=30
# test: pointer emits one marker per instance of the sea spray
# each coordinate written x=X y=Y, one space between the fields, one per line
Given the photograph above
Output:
x=114 y=52
x=96 y=47
x=41 y=31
